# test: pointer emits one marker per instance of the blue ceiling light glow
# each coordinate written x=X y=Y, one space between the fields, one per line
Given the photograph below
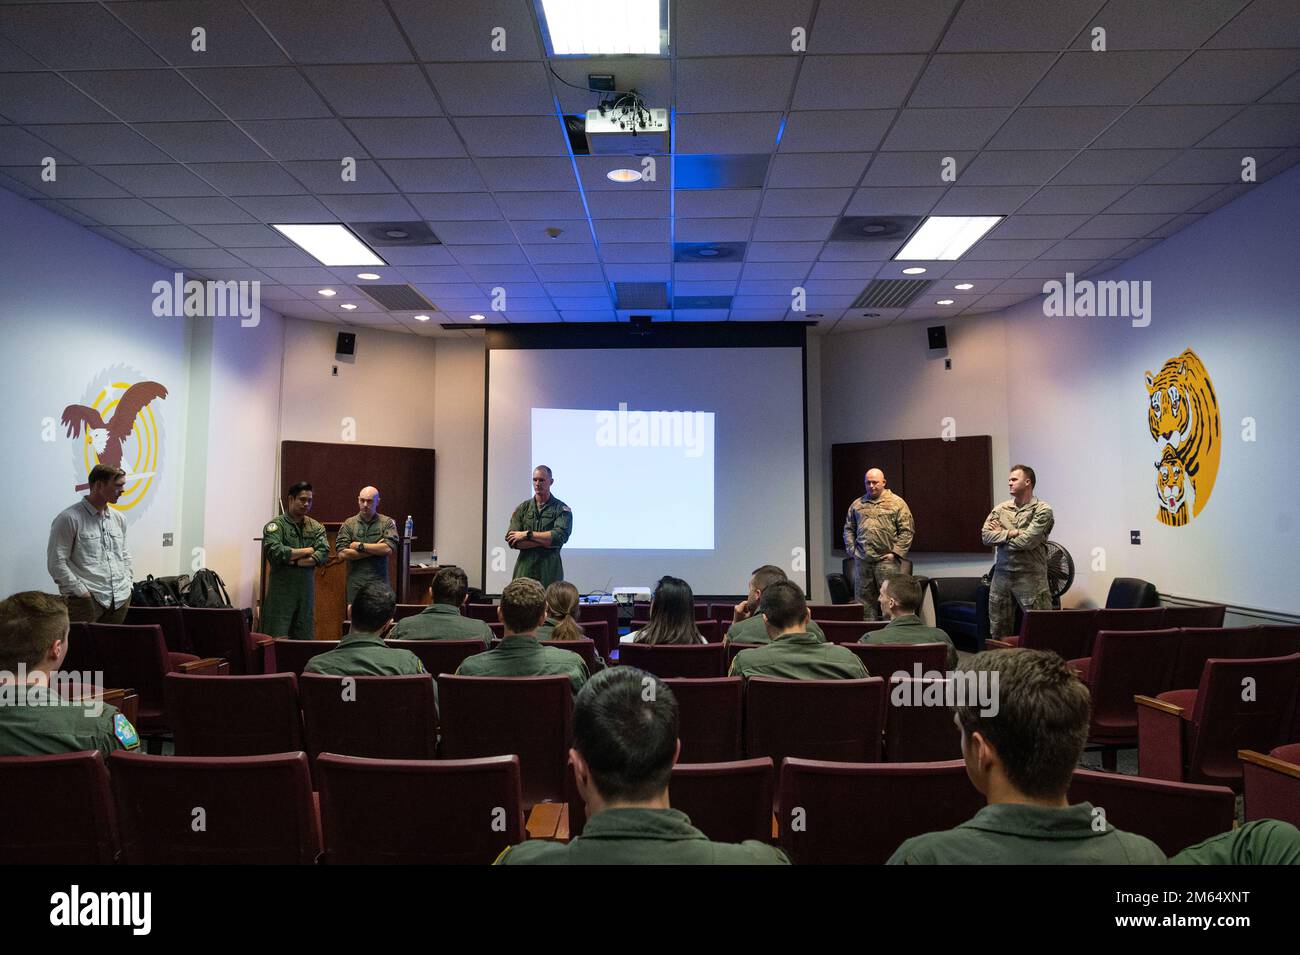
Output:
x=781 y=130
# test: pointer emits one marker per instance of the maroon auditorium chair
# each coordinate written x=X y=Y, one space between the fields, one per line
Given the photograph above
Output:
x=402 y=611
x=291 y=656
x=728 y=802
x=440 y=656
x=848 y=631
x=486 y=612
x=850 y=611
x=223 y=632
x=383 y=717
x=1198 y=644
x=1068 y=633
x=56 y=810
x=254 y=809
x=920 y=733
x=1272 y=783
x=709 y=714
x=886 y=659
x=1194 y=735
x=1210 y=615
x=701 y=660
x=860 y=813
x=234 y=715
x=1137 y=618
x=1172 y=815
x=815 y=719
x=584 y=647
x=172 y=622
x=597 y=631
x=419 y=812
x=606 y=613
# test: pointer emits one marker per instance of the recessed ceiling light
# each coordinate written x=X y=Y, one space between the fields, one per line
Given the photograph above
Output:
x=422 y=318
x=331 y=245
x=914 y=270
x=964 y=286
x=623 y=175
x=708 y=253
x=327 y=292
x=368 y=276
x=946 y=237
x=348 y=305
x=612 y=28
x=477 y=318
x=944 y=301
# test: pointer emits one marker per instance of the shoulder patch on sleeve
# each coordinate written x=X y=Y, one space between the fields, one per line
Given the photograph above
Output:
x=125 y=732
x=272 y=527
x=567 y=509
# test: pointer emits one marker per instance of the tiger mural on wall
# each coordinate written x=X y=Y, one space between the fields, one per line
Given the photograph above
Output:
x=1171 y=489
x=1183 y=413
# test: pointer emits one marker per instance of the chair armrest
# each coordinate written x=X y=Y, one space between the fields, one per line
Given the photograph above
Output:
x=1160 y=739
x=1269 y=762
x=547 y=819
x=998 y=645
x=210 y=666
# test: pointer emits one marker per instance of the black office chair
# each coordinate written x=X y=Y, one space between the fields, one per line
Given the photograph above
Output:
x=1131 y=593
x=841 y=590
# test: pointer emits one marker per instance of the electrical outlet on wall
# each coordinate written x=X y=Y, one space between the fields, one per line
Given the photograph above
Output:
x=167 y=540
x=335 y=371
x=1135 y=537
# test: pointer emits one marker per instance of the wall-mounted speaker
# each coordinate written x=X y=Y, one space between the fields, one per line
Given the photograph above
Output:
x=347 y=344
x=938 y=336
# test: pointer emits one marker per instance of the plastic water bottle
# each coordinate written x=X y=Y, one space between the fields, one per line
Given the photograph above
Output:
x=433 y=556
x=410 y=527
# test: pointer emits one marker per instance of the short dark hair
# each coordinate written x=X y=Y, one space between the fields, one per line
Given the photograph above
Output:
x=906 y=591
x=625 y=727
x=373 y=607
x=783 y=604
x=543 y=467
x=523 y=601
x=30 y=622
x=1042 y=717
x=767 y=575
x=297 y=488
x=102 y=472
x=450 y=584
x=1029 y=473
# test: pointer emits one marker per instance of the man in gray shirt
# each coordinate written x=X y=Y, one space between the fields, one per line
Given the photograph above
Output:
x=87 y=554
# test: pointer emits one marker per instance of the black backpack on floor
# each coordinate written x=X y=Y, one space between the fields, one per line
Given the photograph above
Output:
x=157 y=591
x=206 y=589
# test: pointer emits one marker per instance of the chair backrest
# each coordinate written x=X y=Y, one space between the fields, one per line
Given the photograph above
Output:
x=290 y=656
x=384 y=717
x=1141 y=618
x=837 y=611
x=1210 y=615
x=402 y=611
x=838 y=586
x=723 y=613
x=709 y=715
x=1272 y=784
x=918 y=721
x=815 y=719
x=56 y=810
x=728 y=802
x=440 y=656
x=1131 y=592
x=886 y=659
x=700 y=660
x=1172 y=815
x=1198 y=644
x=132 y=656
x=234 y=715
x=597 y=631
x=953 y=590
x=1065 y=632
x=426 y=812
x=1240 y=704
x=848 y=631
x=486 y=612
x=1126 y=663
x=528 y=716
x=859 y=813
x=606 y=613
x=498 y=629
x=583 y=647
x=219 y=632
x=172 y=621
x=1278 y=641
x=255 y=809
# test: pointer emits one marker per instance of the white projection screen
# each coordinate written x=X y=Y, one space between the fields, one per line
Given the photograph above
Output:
x=683 y=461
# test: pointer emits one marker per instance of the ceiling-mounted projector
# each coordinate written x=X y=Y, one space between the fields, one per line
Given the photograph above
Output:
x=618 y=133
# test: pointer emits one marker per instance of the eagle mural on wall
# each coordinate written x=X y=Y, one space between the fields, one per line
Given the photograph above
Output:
x=109 y=437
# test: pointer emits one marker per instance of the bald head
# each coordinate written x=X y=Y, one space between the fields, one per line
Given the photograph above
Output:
x=368 y=501
x=875 y=483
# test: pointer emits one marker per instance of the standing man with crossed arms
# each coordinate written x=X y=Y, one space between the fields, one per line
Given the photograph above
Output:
x=539 y=527
x=878 y=533
x=1018 y=529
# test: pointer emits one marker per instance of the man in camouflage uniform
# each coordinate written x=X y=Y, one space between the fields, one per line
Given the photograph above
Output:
x=539 y=527
x=878 y=533
x=1018 y=528
x=294 y=545
x=365 y=540
x=34 y=719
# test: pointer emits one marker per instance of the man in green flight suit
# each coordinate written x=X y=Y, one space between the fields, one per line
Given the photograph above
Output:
x=442 y=619
x=365 y=540
x=748 y=625
x=1018 y=529
x=362 y=651
x=539 y=527
x=794 y=653
x=900 y=602
x=522 y=610
x=35 y=720
x=294 y=545
x=624 y=746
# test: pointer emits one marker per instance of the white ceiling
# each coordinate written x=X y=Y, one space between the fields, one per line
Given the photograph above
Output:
x=1092 y=156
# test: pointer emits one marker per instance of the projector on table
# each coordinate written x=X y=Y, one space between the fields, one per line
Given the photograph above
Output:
x=625 y=596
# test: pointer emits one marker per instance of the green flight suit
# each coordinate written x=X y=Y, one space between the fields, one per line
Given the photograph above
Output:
x=1007 y=834
x=364 y=654
x=380 y=529
x=642 y=837
x=799 y=656
x=1262 y=842
x=441 y=622
x=908 y=628
x=543 y=564
x=754 y=630
x=290 y=605
x=522 y=655
x=1020 y=569
x=36 y=721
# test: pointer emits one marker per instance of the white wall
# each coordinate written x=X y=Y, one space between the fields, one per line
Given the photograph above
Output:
x=458 y=438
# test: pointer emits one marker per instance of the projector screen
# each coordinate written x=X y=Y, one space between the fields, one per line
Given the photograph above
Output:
x=682 y=461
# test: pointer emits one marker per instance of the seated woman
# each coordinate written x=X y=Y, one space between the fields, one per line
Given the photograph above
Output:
x=672 y=616
x=562 y=616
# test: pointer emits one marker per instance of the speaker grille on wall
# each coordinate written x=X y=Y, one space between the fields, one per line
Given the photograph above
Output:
x=347 y=343
x=938 y=336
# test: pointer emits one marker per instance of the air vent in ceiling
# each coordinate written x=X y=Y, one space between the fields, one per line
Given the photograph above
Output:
x=720 y=172
x=398 y=298
x=376 y=234
x=702 y=301
x=891 y=293
x=647 y=295
x=874 y=228
x=708 y=251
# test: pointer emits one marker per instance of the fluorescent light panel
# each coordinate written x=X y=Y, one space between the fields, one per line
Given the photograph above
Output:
x=602 y=27
x=331 y=245
x=942 y=238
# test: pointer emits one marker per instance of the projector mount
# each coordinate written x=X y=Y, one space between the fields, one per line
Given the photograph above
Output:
x=628 y=111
